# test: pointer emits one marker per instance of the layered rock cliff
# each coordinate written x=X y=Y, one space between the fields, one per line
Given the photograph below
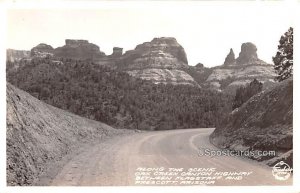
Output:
x=241 y=71
x=162 y=61
x=162 y=52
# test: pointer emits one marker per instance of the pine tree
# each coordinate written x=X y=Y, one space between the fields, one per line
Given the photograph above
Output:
x=283 y=60
x=243 y=94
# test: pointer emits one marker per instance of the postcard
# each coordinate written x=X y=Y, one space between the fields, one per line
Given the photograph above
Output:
x=151 y=94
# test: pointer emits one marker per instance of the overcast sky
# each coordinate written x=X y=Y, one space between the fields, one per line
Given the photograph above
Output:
x=206 y=31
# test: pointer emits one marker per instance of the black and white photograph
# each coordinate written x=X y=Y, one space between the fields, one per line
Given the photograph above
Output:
x=149 y=94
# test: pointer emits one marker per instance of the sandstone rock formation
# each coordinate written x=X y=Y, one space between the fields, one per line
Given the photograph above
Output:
x=117 y=52
x=199 y=65
x=264 y=122
x=162 y=52
x=79 y=50
x=16 y=55
x=160 y=60
x=248 y=54
x=246 y=68
x=167 y=76
x=165 y=60
x=42 y=50
x=230 y=58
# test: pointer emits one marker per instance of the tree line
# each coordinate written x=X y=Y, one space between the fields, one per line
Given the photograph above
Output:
x=116 y=98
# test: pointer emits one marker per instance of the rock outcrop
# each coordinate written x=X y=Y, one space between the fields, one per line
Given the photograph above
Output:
x=16 y=55
x=166 y=76
x=239 y=72
x=199 y=65
x=38 y=136
x=247 y=54
x=117 y=52
x=230 y=58
x=162 y=52
x=79 y=50
x=160 y=61
x=164 y=60
x=42 y=50
x=264 y=122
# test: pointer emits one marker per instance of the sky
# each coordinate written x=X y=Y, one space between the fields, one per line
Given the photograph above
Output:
x=207 y=31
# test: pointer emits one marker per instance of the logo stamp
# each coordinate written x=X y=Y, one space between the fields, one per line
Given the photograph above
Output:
x=281 y=171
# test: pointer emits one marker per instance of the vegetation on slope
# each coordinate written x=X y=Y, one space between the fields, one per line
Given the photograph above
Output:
x=244 y=93
x=264 y=122
x=118 y=99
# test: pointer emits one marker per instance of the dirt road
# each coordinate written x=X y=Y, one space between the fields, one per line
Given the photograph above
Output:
x=115 y=161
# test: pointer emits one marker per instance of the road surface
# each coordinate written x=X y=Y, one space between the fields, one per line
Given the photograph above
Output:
x=118 y=161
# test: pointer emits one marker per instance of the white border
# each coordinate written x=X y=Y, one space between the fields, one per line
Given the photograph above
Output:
x=292 y=6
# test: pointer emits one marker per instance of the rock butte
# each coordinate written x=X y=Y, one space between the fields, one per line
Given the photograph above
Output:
x=241 y=71
x=163 y=60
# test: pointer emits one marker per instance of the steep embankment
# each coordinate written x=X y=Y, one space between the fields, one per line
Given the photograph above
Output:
x=39 y=135
x=265 y=122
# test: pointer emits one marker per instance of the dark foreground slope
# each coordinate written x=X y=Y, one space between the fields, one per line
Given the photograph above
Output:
x=265 y=122
x=39 y=135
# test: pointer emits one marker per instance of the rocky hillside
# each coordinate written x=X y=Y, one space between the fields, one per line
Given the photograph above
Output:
x=42 y=50
x=40 y=135
x=264 y=122
x=236 y=72
x=200 y=73
x=160 y=61
x=16 y=55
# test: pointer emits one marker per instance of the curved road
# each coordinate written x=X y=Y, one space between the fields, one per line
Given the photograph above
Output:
x=115 y=161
